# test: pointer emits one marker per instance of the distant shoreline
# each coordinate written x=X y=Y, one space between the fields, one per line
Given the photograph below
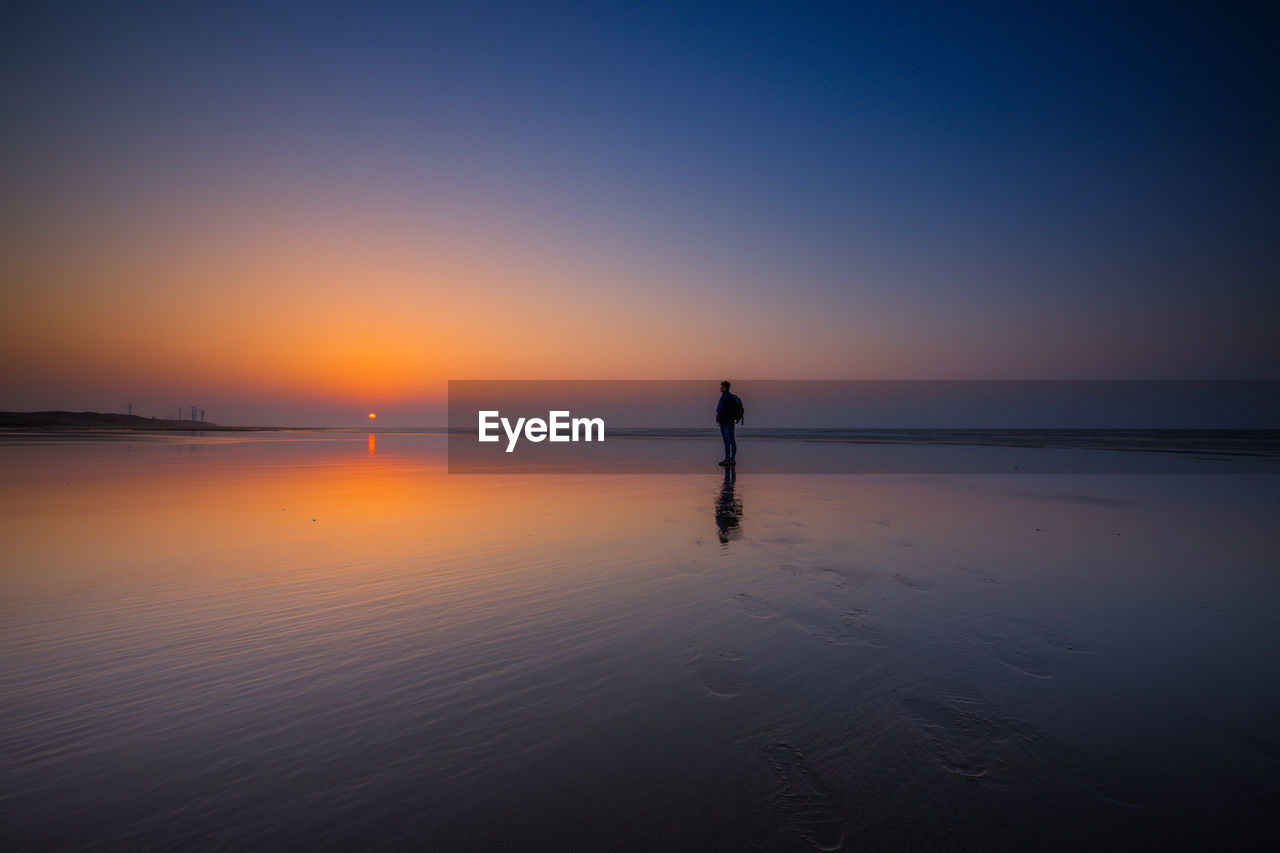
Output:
x=59 y=420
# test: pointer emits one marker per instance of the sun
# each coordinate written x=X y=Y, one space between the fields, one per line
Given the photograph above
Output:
x=372 y=415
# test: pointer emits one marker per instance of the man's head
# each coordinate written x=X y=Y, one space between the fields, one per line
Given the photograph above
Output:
x=724 y=386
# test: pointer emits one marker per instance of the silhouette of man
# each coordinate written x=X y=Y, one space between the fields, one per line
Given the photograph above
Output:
x=728 y=413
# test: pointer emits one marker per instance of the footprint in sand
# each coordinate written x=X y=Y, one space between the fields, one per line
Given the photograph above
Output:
x=970 y=742
x=1033 y=635
x=976 y=574
x=1062 y=642
x=754 y=606
x=722 y=673
x=835 y=576
x=1009 y=755
x=842 y=628
x=810 y=806
x=914 y=583
x=1032 y=648
x=1018 y=655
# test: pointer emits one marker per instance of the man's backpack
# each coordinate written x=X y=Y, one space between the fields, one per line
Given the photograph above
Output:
x=736 y=410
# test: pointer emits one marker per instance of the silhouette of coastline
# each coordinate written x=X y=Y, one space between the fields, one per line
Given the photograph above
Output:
x=102 y=420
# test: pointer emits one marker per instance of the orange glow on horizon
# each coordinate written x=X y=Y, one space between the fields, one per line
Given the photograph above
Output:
x=372 y=415
x=332 y=311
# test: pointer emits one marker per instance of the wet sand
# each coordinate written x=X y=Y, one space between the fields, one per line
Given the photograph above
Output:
x=326 y=641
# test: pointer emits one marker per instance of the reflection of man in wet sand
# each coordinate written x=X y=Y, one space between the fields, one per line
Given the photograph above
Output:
x=728 y=508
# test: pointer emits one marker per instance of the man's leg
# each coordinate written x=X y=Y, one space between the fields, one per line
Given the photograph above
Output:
x=731 y=445
x=726 y=434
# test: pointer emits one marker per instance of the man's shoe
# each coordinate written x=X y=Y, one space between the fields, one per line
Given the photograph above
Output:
x=725 y=462
x=730 y=462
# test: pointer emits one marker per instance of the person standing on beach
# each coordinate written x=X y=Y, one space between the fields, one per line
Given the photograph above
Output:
x=729 y=411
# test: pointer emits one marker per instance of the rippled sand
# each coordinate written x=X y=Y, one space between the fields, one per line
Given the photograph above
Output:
x=327 y=641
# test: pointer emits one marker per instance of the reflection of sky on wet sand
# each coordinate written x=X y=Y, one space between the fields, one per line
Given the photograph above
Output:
x=330 y=638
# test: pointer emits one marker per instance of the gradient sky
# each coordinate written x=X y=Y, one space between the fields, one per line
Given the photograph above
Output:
x=296 y=214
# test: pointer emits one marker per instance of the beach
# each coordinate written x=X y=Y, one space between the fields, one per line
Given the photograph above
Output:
x=666 y=427
x=327 y=641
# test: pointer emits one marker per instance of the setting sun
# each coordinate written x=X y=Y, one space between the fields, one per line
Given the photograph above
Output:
x=372 y=415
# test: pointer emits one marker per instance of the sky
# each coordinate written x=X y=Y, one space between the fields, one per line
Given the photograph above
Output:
x=294 y=214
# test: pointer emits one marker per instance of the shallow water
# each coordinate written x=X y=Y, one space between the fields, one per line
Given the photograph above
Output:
x=326 y=641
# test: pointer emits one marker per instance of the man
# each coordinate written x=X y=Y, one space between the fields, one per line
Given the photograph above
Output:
x=729 y=411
